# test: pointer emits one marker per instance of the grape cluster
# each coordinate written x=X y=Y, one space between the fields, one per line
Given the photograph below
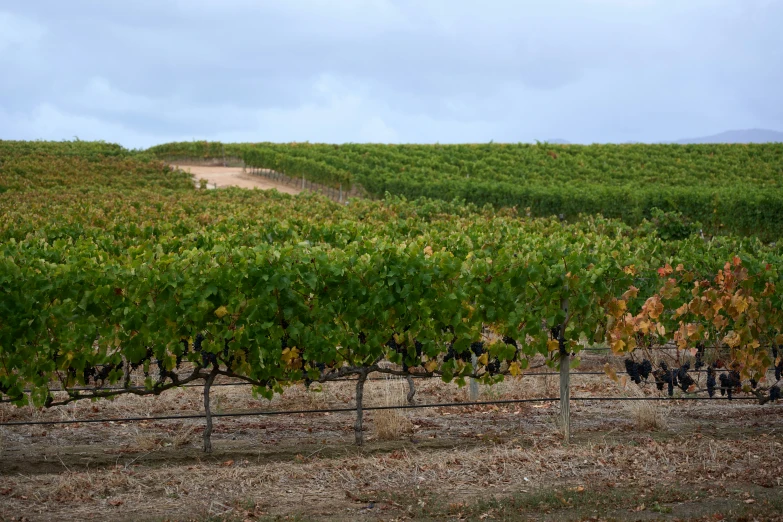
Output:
x=666 y=376
x=555 y=331
x=632 y=369
x=729 y=383
x=685 y=381
x=660 y=375
x=638 y=371
x=134 y=365
x=164 y=373
x=711 y=382
x=207 y=358
x=450 y=353
x=402 y=350
x=232 y=356
x=774 y=393
x=699 y=356
x=674 y=377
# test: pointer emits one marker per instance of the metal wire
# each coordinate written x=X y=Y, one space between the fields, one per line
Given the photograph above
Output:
x=347 y=379
x=366 y=408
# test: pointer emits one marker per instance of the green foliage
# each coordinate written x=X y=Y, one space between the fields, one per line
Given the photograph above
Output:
x=728 y=188
x=109 y=259
x=39 y=165
x=670 y=225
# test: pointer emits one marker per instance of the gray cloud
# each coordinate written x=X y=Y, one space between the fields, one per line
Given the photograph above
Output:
x=381 y=70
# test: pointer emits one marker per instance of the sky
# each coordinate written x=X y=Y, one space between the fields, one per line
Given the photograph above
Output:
x=142 y=72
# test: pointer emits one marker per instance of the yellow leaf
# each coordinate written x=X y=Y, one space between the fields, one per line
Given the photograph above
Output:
x=661 y=329
x=609 y=370
x=290 y=355
x=431 y=365
x=221 y=312
x=681 y=311
x=692 y=331
x=644 y=326
x=654 y=307
x=617 y=308
x=484 y=359
x=739 y=303
x=732 y=339
x=553 y=345
x=514 y=369
x=631 y=293
x=618 y=345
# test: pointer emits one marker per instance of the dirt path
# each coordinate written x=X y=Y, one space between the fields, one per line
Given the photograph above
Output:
x=235 y=177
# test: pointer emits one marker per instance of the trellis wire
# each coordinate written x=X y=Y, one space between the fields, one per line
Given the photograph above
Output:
x=347 y=379
x=351 y=409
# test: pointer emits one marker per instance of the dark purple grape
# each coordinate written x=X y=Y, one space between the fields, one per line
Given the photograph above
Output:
x=632 y=369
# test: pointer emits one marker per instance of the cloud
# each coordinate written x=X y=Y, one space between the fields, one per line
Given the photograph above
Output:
x=393 y=70
x=47 y=122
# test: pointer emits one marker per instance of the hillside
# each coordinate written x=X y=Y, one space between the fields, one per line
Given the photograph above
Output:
x=737 y=188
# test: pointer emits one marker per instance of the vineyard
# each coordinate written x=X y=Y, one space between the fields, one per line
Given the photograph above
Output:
x=121 y=280
x=726 y=188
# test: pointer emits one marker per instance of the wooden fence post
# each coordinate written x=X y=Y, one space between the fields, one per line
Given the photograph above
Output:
x=358 y=427
x=474 y=389
x=565 y=378
x=208 y=410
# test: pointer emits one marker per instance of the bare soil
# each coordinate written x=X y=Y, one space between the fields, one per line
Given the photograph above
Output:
x=709 y=461
x=220 y=177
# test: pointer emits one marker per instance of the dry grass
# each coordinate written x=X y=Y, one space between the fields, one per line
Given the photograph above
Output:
x=148 y=441
x=319 y=486
x=646 y=415
x=305 y=464
x=392 y=424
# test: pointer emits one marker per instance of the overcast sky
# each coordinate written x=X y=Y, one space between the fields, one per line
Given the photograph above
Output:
x=141 y=72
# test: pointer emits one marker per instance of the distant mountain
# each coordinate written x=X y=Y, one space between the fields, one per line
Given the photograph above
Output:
x=738 y=136
x=732 y=136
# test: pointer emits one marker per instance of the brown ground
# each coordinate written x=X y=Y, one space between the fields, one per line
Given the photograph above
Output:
x=707 y=461
x=234 y=177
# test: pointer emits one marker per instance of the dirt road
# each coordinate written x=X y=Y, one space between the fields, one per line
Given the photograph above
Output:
x=235 y=177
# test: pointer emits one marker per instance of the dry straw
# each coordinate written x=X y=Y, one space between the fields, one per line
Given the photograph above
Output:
x=392 y=424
